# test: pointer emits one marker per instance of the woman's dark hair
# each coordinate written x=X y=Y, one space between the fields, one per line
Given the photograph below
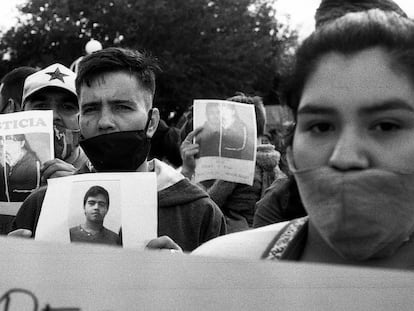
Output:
x=350 y=34
x=330 y=10
x=94 y=191
x=141 y=65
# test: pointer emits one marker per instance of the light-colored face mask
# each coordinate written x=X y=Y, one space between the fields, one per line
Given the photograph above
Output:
x=360 y=214
x=66 y=141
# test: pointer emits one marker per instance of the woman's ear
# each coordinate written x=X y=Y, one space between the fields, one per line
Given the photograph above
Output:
x=153 y=123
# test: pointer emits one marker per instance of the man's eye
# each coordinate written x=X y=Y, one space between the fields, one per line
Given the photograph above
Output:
x=122 y=107
x=70 y=107
x=89 y=109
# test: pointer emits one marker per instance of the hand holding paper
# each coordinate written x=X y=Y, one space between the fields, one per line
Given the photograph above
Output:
x=164 y=243
x=189 y=152
x=21 y=233
x=56 y=168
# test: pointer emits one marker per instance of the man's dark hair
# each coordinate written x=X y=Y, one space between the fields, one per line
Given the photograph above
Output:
x=13 y=83
x=94 y=191
x=139 y=64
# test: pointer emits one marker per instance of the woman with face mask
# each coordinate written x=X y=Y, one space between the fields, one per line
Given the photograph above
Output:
x=352 y=149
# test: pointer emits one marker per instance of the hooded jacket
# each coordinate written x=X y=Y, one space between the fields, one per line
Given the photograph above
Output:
x=237 y=201
x=185 y=212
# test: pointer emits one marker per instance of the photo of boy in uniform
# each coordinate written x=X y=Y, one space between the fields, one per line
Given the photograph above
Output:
x=95 y=205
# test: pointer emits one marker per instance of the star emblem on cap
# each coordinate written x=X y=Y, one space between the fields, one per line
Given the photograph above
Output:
x=57 y=75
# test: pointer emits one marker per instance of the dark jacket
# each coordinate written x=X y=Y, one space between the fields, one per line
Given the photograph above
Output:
x=281 y=202
x=23 y=177
x=237 y=201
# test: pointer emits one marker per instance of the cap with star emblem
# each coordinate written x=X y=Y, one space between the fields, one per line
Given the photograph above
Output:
x=56 y=75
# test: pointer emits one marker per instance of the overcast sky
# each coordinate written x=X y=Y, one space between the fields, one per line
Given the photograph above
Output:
x=301 y=12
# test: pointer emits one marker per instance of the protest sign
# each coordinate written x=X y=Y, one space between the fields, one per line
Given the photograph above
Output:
x=107 y=278
x=93 y=208
x=26 y=142
x=227 y=141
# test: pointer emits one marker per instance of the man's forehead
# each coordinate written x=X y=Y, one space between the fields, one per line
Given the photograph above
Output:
x=100 y=80
x=100 y=90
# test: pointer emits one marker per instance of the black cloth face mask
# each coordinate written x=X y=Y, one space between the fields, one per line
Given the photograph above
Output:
x=120 y=151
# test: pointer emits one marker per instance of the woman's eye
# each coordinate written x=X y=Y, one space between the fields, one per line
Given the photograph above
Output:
x=320 y=127
x=386 y=126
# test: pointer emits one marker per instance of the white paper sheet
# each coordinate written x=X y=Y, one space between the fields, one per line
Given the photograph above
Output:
x=132 y=206
x=26 y=142
x=227 y=142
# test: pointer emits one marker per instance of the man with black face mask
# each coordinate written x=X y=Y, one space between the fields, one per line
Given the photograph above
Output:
x=116 y=88
x=53 y=88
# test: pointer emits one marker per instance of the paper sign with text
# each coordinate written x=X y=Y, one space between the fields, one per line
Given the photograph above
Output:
x=26 y=142
x=227 y=142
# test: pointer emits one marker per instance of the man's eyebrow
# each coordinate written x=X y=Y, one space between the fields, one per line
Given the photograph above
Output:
x=120 y=101
x=97 y=103
x=96 y=201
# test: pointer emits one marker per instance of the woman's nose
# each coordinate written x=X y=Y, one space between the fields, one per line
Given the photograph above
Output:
x=350 y=152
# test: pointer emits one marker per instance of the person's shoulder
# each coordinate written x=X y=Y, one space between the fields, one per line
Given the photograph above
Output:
x=74 y=229
x=111 y=233
x=33 y=202
x=36 y=196
x=182 y=192
x=249 y=244
x=28 y=214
